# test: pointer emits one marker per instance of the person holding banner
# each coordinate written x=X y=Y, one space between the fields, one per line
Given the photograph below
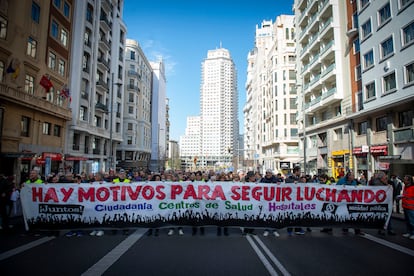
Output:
x=250 y=177
x=34 y=178
x=269 y=178
x=381 y=179
x=97 y=179
x=408 y=205
x=349 y=179
x=295 y=178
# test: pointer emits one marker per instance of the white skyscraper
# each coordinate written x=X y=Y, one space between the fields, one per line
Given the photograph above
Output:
x=158 y=116
x=218 y=102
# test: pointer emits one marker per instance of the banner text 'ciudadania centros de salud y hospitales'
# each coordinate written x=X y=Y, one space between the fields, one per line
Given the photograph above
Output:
x=159 y=204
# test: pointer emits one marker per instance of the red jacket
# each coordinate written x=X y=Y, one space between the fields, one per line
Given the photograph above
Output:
x=408 y=198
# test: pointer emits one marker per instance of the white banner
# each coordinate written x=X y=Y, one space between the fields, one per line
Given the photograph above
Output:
x=157 y=204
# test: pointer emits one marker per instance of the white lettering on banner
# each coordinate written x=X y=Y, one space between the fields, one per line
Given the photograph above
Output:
x=154 y=204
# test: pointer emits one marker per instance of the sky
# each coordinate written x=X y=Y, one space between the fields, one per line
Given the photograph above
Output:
x=182 y=31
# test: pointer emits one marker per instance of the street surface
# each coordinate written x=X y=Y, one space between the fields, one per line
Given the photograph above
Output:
x=315 y=253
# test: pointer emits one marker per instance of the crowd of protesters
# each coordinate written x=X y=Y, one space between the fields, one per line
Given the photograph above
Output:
x=403 y=190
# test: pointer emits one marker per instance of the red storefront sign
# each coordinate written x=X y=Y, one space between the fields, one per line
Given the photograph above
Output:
x=75 y=158
x=54 y=156
x=379 y=150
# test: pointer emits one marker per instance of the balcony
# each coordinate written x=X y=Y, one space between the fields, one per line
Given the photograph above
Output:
x=132 y=73
x=132 y=87
x=102 y=84
x=101 y=107
x=105 y=44
x=404 y=135
x=22 y=98
x=102 y=61
x=105 y=23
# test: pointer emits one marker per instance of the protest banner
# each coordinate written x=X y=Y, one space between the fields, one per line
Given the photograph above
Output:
x=159 y=204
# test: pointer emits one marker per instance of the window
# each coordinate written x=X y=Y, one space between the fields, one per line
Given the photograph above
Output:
x=84 y=88
x=369 y=60
x=408 y=34
x=55 y=29
x=356 y=46
x=29 y=84
x=366 y=29
x=389 y=83
x=370 y=90
x=85 y=62
x=87 y=37
x=25 y=126
x=409 y=73
x=46 y=128
x=64 y=37
x=129 y=126
x=61 y=68
x=89 y=13
x=381 y=123
x=292 y=103
x=132 y=55
x=57 y=3
x=66 y=9
x=404 y=3
x=1 y=70
x=384 y=14
x=130 y=109
x=98 y=121
x=386 y=48
x=57 y=130
x=35 y=12
x=405 y=118
x=338 y=134
x=363 y=4
x=358 y=72
x=362 y=128
x=292 y=75
x=31 y=47
x=129 y=140
x=83 y=113
x=3 y=27
x=52 y=61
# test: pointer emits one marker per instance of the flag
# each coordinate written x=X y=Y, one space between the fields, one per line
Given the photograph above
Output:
x=46 y=83
x=10 y=69
x=65 y=92
x=13 y=68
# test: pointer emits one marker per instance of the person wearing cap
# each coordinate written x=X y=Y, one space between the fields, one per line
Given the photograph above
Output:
x=121 y=177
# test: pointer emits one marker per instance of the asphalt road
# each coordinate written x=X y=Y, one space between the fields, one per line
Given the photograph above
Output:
x=314 y=253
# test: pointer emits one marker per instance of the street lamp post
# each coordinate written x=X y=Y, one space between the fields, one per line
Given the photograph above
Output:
x=111 y=116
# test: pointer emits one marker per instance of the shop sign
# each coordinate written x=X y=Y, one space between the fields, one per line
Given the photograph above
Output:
x=285 y=165
x=379 y=150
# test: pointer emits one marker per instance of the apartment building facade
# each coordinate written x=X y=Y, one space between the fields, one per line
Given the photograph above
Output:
x=383 y=123
x=97 y=82
x=323 y=79
x=35 y=52
x=134 y=152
